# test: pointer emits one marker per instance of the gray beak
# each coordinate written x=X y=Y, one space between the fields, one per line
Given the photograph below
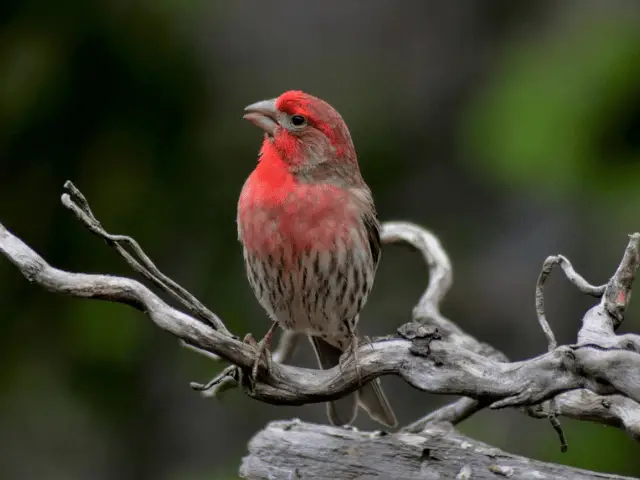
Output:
x=263 y=114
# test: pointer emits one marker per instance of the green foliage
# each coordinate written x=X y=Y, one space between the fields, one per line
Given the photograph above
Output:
x=563 y=114
x=593 y=447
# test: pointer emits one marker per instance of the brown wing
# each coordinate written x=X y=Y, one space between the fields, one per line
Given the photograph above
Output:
x=372 y=224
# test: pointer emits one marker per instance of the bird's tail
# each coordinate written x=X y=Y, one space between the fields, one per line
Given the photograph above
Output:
x=370 y=397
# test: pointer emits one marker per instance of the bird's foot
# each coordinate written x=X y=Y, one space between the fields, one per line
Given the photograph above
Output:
x=263 y=351
x=351 y=351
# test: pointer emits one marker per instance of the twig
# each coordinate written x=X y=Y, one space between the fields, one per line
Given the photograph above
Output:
x=576 y=279
x=618 y=290
x=555 y=423
x=427 y=312
x=226 y=380
x=600 y=323
x=454 y=413
x=440 y=272
x=75 y=201
x=548 y=265
x=229 y=377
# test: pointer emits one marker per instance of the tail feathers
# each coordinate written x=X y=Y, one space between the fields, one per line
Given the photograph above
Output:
x=374 y=401
x=344 y=410
x=370 y=397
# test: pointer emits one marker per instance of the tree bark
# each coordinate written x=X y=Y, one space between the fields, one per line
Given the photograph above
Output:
x=297 y=450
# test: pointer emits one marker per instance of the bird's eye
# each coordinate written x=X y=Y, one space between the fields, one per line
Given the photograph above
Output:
x=298 y=120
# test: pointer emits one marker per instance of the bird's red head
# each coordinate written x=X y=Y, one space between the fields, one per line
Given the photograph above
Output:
x=302 y=130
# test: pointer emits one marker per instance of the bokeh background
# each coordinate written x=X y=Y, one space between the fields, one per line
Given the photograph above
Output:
x=511 y=129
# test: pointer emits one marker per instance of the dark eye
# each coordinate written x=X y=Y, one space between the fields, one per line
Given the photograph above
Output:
x=298 y=120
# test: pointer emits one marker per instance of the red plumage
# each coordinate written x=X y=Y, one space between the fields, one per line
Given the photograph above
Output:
x=310 y=234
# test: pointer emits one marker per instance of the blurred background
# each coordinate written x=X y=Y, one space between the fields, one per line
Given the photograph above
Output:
x=511 y=129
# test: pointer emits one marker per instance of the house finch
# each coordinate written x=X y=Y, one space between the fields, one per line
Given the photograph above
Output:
x=310 y=235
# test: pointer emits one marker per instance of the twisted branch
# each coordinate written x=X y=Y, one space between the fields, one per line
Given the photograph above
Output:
x=594 y=379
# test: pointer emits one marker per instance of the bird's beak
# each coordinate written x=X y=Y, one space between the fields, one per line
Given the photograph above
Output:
x=262 y=114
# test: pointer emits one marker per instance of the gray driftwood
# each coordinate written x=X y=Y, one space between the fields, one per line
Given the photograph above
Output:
x=297 y=450
x=596 y=378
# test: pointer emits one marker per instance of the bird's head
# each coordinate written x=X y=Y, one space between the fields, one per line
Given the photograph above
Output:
x=303 y=130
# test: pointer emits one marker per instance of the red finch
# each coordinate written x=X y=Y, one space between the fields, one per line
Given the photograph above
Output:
x=310 y=235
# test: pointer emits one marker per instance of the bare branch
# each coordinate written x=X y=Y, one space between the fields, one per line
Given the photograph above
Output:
x=425 y=362
x=430 y=364
x=552 y=343
x=324 y=452
x=595 y=379
x=613 y=410
x=427 y=312
x=228 y=378
x=618 y=291
x=453 y=413
x=122 y=290
x=597 y=329
x=557 y=426
x=574 y=277
x=75 y=201
x=440 y=273
x=421 y=358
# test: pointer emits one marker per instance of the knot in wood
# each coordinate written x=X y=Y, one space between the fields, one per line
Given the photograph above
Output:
x=416 y=330
x=420 y=336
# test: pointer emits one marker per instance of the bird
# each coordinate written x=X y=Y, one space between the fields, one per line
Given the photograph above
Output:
x=311 y=237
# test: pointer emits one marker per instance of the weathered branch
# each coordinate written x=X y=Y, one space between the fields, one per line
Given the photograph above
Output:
x=613 y=410
x=421 y=357
x=75 y=201
x=594 y=379
x=321 y=452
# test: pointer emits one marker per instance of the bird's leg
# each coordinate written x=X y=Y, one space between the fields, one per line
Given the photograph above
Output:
x=351 y=350
x=262 y=349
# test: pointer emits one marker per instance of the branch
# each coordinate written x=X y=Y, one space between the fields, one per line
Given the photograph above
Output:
x=613 y=410
x=573 y=277
x=322 y=452
x=594 y=379
x=419 y=355
x=427 y=311
x=598 y=328
x=75 y=201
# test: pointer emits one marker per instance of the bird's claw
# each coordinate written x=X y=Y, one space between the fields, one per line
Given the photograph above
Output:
x=262 y=350
x=351 y=351
x=262 y=353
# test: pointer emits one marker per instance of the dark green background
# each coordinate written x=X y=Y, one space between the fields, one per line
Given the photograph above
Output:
x=511 y=129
